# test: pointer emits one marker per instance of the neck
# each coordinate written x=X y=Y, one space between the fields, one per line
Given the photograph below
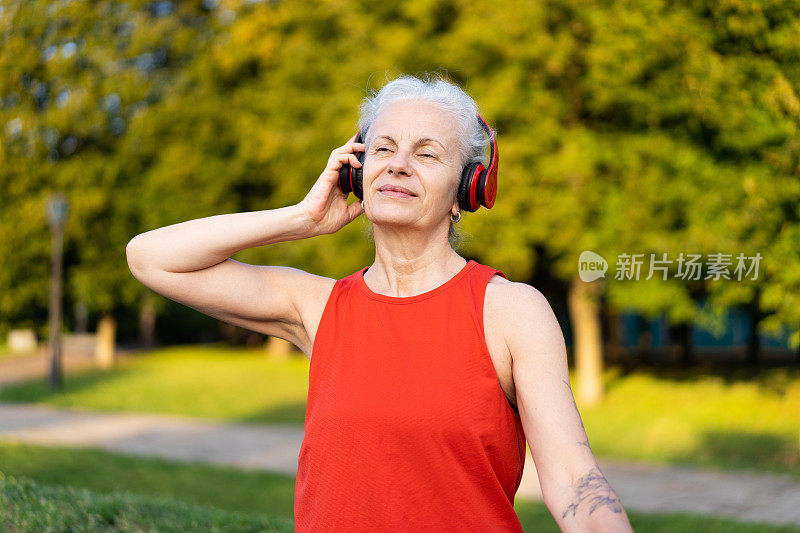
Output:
x=409 y=262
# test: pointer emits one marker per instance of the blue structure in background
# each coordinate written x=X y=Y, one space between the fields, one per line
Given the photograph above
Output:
x=735 y=337
x=736 y=334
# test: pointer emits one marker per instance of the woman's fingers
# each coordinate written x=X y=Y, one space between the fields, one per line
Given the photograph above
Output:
x=341 y=156
x=354 y=209
x=350 y=147
x=347 y=158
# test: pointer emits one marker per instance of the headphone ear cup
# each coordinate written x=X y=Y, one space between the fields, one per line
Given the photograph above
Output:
x=487 y=188
x=349 y=177
x=463 y=188
x=344 y=179
x=469 y=175
x=358 y=176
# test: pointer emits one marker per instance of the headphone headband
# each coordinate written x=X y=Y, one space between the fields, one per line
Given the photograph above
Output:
x=488 y=185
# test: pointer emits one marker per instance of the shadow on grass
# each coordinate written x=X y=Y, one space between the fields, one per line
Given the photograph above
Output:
x=770 y=376
x=745 y=451
x=773 y=377
x=38 y=390
x=287 y=413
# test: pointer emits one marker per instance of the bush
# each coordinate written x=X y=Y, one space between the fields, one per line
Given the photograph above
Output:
x=27 y=506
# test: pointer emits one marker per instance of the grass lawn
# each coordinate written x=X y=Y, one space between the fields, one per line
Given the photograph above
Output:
x=730 y=419
x=208 y=382
x=129 y=493
x=29 y=506
x=733 y=419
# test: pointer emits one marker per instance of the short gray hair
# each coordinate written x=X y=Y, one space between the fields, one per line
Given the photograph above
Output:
x=436 y=89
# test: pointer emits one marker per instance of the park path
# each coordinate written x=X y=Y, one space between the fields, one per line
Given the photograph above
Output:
x=76 y=355
x=17 y=369
x=760 y=497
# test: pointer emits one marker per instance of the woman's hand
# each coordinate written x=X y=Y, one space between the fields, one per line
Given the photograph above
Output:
x=325 y=204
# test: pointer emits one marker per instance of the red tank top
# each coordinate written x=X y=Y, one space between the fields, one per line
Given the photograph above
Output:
x=407 y=427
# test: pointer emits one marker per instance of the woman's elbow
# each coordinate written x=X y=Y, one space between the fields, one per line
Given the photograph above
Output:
x=136 y=256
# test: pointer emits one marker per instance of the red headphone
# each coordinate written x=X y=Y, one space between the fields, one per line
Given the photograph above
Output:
x=478 y=184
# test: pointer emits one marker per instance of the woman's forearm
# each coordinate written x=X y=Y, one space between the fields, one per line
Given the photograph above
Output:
x=204 y=242
x=590 y=506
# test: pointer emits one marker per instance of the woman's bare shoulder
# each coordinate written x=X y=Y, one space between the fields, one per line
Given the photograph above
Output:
x=506 y=301
x=510 y=294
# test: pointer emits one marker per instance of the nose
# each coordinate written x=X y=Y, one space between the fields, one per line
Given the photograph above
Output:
x=399 y=163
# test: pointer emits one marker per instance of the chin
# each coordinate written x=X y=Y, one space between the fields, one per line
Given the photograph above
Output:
x=393 y=217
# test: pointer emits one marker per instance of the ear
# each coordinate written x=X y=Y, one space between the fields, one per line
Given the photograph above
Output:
x=455 y=208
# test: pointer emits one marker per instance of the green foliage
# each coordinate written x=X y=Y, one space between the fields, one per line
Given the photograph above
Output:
x=624 y=127
x=101 y=471
x=28 y=506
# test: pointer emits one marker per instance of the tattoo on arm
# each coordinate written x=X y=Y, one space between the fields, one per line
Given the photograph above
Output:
x=595 y=490
x=585 y=442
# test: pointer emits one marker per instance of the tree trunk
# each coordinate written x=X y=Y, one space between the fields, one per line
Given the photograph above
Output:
x=54 y=311
x=147 y=321
x=613 y=344
x=644 y=341
x=682 y=344
x=81 y=317
x=797 y=355
x=104 y=352
x=233 y=335
x=584 y=312
x=754 y=345
x=278 y=348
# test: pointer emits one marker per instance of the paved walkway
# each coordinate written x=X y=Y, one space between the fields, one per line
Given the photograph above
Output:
x=38 y=366
x=76 y=355
x=767 y=498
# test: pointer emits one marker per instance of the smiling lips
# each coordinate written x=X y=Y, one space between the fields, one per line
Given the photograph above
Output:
x=396 y=191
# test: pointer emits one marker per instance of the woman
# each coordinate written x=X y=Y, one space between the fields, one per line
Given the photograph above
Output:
x=428 y=371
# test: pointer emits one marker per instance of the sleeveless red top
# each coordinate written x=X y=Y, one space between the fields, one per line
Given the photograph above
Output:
x=407 y=427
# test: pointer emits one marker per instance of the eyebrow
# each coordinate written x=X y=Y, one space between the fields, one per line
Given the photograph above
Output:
x=424 y=140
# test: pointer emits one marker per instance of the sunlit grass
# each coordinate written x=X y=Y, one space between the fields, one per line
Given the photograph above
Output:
x=735 y=419
x=209 y=382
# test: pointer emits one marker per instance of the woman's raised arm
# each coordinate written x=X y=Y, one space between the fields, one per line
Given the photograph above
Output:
x=190 y=262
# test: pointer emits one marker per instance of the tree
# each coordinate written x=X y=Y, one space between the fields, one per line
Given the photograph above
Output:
x=623 y=127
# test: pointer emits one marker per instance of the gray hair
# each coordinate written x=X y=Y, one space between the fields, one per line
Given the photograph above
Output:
x=436 y=89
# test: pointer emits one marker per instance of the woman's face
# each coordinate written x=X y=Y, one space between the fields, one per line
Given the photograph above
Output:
x=414 y=147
